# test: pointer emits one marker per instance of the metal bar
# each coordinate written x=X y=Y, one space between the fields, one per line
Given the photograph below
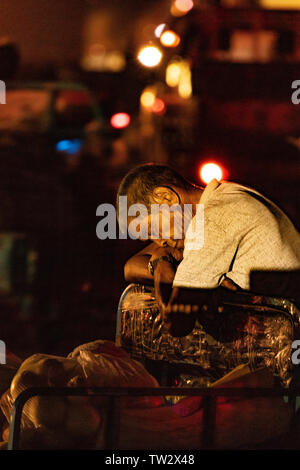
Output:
x=209 y=421
x=113 y=423
x=15 y=427
x=157 y=391
x=15 y=421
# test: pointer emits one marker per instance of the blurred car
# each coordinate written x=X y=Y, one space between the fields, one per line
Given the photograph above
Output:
x=39 y=122
x=57 y=113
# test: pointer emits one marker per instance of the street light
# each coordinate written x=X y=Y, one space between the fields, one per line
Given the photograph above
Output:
x=209 y=171
x=150 y=56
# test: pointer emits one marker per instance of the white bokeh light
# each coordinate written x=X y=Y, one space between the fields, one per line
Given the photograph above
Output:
x=209 y=171
x=150 y=56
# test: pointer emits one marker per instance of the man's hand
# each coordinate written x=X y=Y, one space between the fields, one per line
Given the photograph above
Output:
x=164 y=274
x=176 y=322
x=136 y=270
x=136 y=267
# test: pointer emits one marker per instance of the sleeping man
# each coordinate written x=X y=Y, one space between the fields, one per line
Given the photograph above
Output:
x=224 y=233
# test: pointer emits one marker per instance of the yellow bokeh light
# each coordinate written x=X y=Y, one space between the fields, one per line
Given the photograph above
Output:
x=281 y=4
x=150 y=56
x=147 y=98
x=178 y=74
x=185 y=89
x=173 y=72
x=169 y=39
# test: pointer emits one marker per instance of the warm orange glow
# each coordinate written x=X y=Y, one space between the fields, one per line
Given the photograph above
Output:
x=281 y=4
x=181 y=7
x=209 y=171
x=120 y=120
x=184 y=5
x=158 y=106
x=169 y=39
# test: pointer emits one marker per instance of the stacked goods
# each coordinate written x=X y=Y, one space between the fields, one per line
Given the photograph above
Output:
x=68 y=422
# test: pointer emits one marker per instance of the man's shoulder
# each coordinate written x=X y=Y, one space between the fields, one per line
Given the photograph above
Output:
x=232 y=206
x=229 y=194
x=237 y=189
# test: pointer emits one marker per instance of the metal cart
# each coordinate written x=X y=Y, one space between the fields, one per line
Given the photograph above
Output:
x=139 y=331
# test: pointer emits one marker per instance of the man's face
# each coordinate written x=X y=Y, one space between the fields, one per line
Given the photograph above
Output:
x=163 y=222
x=166 y=229
x=170 y=223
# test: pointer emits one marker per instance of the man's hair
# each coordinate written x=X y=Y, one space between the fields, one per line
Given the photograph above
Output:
x=140 y=182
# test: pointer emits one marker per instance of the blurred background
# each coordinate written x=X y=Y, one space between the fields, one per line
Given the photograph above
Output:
x=94 y=88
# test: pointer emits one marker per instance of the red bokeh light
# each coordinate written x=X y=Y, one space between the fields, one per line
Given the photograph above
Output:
x=120 y=120
x=158 y=106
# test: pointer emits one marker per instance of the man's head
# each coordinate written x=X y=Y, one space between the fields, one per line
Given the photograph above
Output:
x=141 y=184
x=153 y=185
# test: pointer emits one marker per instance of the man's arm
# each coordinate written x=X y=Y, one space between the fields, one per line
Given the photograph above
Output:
x=136 y=268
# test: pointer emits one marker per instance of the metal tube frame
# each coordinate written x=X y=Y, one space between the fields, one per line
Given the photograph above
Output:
x=114 y=393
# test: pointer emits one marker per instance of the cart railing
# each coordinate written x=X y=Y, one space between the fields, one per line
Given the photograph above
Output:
x=114 y=394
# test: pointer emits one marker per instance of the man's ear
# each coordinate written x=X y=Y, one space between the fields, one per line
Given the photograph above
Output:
x=164 y=195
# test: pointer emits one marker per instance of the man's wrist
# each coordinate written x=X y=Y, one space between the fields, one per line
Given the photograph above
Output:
x=153 y=263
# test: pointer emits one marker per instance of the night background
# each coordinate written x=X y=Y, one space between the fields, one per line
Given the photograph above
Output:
x=221 y=93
